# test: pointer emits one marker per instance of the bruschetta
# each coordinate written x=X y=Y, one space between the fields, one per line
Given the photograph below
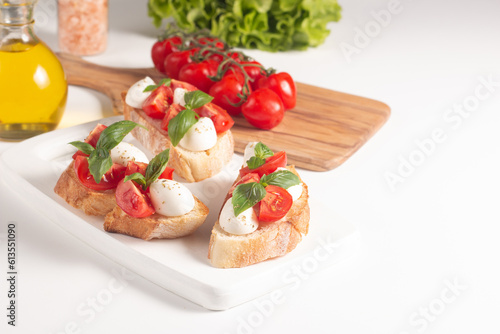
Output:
x=202 y=149
x=265 y=214
x=90 y=181
x=150 y=205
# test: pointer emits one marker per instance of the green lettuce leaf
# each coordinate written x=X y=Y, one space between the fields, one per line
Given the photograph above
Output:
x=278 y=25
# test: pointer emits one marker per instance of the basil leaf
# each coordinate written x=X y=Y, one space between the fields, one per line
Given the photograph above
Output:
x=99 y=163
x=156 y=166
x=247 y=195
x=114 y=134
x=165 y=81
x=262 y=151
x=282 y=178
x=180 y=124
x=83 y=146
x=137 y=177
x=196 y=99
x=255 y=162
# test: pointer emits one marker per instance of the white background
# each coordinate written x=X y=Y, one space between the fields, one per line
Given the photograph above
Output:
x=435 y=227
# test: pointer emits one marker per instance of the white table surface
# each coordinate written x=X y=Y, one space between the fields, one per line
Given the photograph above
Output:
x=428 y=261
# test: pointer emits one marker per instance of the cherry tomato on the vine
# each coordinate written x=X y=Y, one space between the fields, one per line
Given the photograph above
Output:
x=254 y=70
x=225 y=92
x=219 y=57
x=161 y=49
x=211 y=41
x=263 y=109
x=176 y=60
x=198 y=74
x=283 y=85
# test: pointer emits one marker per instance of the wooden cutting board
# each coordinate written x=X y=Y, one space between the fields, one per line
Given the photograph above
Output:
x=320 y=133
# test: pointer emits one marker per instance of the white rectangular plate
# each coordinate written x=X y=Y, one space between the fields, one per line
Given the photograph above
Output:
x=181 y=265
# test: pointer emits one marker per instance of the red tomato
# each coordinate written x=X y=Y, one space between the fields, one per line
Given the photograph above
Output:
x=92 y=138
x=263 y=109
x=198 y=74
x=171 y=112
x=235 y=55
x=140 y=167
x=283 y=85
x=108 y=181
x=275 y=205
x=254 y=72
x=220 y=117
x=272 y=163
x=157 y=103
x=219 y=58
x=133 y=201
x=176 y=60
x=212 y=41
x=225 y=93
x=181 y=84
x=95 y=134
x=136 y=167
x=168 y=173
x=162 y=49
x=247 y=178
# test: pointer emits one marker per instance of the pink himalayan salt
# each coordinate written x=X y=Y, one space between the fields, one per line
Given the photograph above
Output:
x=83 y=26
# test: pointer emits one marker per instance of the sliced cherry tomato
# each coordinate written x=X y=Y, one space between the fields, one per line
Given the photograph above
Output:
x=198 y=74
x=263 y=109
x=172 y=111
x=108 y=181
x=247 y=178
x=136 y=167
x=283 y=85
x=275 y=205
x=272 y=163
x=181 y=84
x=176 y=60
x=92 y=138
x=95 y=134
x=225 y=92
x=140 y=167
x=157 y=103
x=132 y=200
x=220 y=117
x=168 y=173
x=162 y=49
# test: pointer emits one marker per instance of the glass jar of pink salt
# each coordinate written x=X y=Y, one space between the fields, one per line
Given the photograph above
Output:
x=83 y=26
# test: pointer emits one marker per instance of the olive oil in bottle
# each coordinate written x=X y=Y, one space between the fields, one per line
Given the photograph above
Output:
x=33 y=86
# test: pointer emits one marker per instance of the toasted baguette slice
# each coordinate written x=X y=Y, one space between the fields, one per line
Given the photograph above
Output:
x=92 y=202
x=156 y=226
x=268 y=241
x=192 y=166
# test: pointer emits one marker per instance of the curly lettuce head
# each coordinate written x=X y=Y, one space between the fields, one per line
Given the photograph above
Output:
x=263 y=24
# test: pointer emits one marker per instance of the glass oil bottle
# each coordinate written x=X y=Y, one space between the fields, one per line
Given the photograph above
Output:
x=33 y=86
